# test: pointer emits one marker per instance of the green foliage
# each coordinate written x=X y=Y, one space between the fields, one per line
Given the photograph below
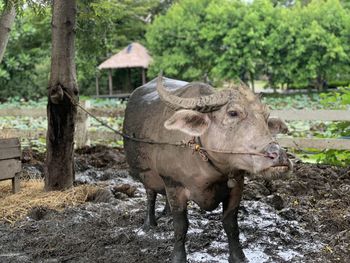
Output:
x=243 y=39
x=296 y=101
x=303 y=45
x=176 y=43
x=334 y=157
x=336 y=100
x=20 y=5
x=323 y=32
x=103 y=28
x=25 y=67
x=304 y=129
x=289 y=43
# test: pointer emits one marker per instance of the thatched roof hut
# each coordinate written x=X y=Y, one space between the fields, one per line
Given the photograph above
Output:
x=133 y=56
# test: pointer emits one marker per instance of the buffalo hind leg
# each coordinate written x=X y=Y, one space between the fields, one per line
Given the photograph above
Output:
x=166 y=211
x=230 y=212
x=150 y=220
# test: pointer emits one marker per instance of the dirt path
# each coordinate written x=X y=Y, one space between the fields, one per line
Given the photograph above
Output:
x=305 y=218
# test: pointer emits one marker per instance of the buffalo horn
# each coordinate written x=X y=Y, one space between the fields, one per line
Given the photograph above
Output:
x=203 y=104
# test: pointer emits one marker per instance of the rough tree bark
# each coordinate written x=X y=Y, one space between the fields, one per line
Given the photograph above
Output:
x=61 y=112
x=6 y=20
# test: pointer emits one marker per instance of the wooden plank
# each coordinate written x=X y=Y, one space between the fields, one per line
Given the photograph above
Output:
x=10 y=153
x=104 y=135
x=107 y=112
x=302 y=115
x=23 y=133
x=312 y=115
x=9 y=142
x=10 y=148
x=16 y=183
x=316 y=143
x=9 y=168
x=117 y=96
x=23 y=112
x=99 y=112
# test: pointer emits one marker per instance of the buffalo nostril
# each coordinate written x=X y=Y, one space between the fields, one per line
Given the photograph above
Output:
x=272 y=155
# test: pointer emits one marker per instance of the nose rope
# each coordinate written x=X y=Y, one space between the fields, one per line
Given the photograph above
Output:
x=192 y=144
x=197 y=147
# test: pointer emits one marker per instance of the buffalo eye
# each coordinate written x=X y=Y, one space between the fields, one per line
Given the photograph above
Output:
x=233 y=113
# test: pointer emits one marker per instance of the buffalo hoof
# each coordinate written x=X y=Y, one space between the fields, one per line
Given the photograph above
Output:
x=179 y=257
x=239 y=258
x=148 y=225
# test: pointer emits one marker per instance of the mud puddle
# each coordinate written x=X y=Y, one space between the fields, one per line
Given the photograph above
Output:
x=303 y=218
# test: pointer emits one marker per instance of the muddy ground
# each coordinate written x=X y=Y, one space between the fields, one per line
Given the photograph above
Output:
x=304 y=218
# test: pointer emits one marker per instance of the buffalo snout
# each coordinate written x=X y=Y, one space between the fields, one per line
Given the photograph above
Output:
x=276 y=153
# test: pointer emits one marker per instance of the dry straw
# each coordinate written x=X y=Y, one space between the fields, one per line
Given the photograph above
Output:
x=16 y=206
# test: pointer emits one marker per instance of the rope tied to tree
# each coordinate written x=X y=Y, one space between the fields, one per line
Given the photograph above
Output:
x=192 y=144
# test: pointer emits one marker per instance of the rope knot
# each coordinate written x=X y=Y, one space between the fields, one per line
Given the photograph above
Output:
x=195 y=147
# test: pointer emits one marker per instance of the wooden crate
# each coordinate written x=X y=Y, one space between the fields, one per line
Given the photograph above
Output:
x=10 y=161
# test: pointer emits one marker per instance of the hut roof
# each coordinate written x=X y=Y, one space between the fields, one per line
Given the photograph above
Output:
x=133 y=56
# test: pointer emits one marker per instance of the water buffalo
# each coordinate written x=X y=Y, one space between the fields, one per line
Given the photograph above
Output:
x=229 y=134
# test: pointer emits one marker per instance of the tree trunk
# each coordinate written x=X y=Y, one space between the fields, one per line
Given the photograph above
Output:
x=274 y=89
x=319 y=83
x=6 y=20
x=61 y=112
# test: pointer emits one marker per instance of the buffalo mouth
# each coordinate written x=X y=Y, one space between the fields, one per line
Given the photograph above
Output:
x=278 y=169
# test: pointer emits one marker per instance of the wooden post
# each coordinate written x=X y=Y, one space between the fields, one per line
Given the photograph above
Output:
x=97 y=87
x=110 y=82
x=15 y=183
x=10 y=161
x=116 y=87
x=143 y=76
x=82 y=126
x=129 y=88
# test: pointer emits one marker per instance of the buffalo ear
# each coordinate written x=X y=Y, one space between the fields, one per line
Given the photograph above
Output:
x=277 y=126
x=191 y=122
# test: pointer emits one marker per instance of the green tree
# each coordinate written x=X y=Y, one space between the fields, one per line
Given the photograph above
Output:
x=323 y=41
x=176 y=44
x=307 y=44
x=25 y=69
x=244 y=39
x=103 y=28
x=282 y=56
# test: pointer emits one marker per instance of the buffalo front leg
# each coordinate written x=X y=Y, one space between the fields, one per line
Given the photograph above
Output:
x=180 y=231
x=150 y=220
x=178 y=204
x=230 y=212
